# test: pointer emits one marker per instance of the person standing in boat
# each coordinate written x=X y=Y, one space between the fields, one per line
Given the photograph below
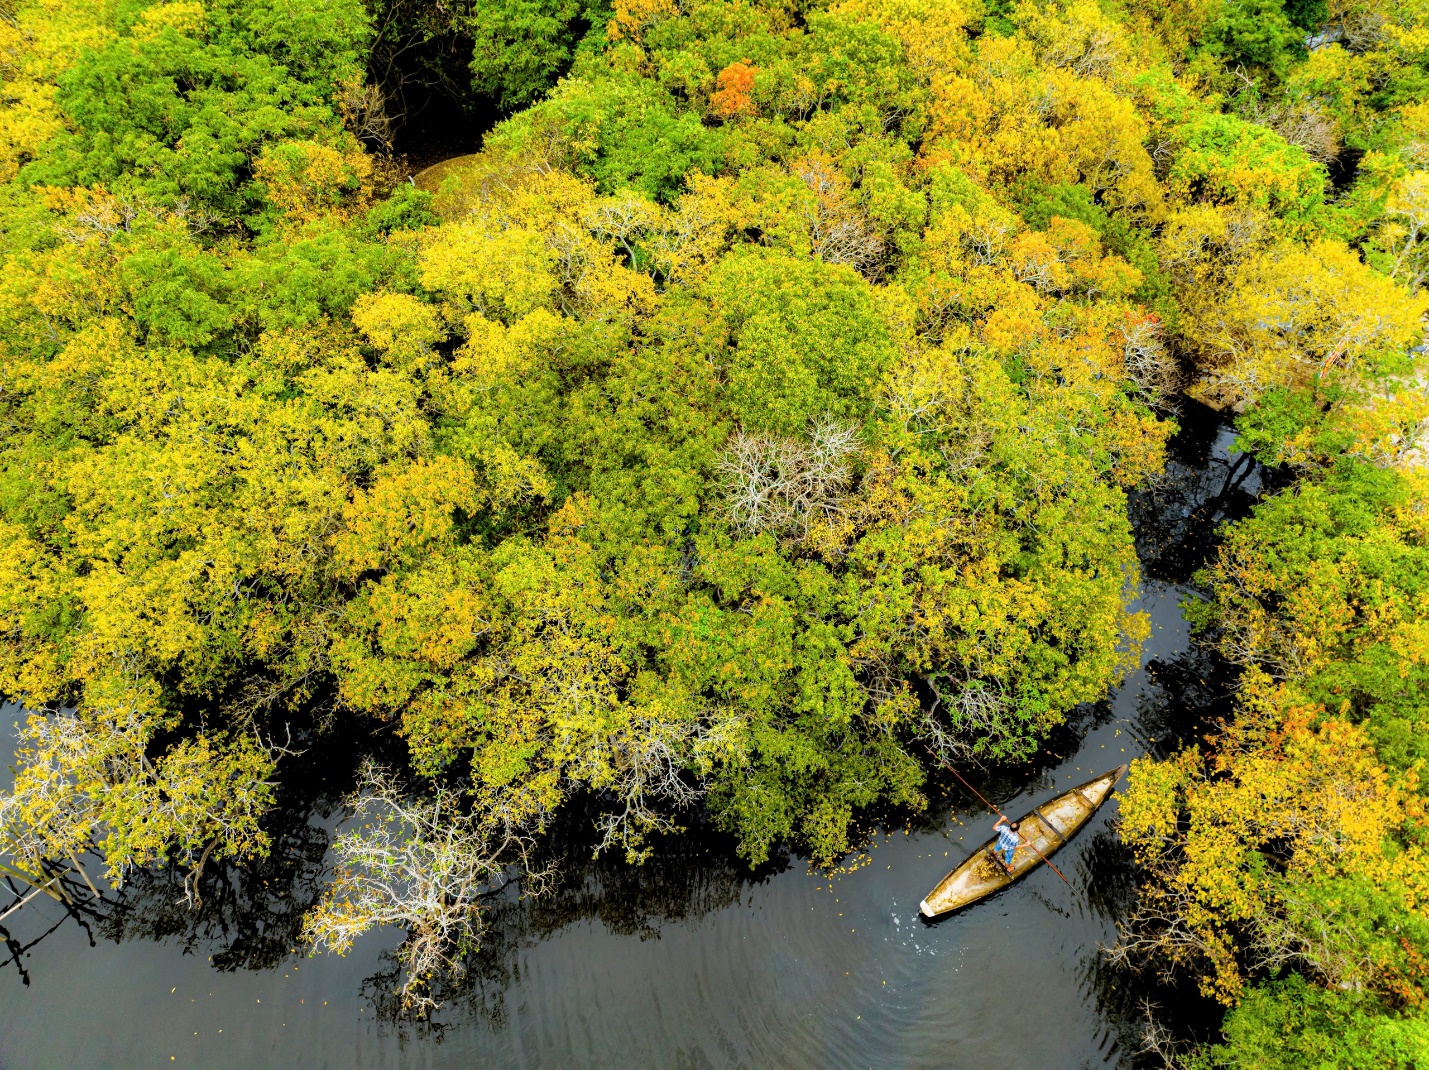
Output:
x=1008 y=840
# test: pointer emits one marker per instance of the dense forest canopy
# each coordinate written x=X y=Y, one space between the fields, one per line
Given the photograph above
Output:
x=749 y=422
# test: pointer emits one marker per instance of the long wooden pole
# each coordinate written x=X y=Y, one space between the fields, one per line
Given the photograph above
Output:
x=999 y=813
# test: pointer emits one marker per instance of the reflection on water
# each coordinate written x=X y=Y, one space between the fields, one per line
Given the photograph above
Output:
x=690 y=961
x=1203 y=486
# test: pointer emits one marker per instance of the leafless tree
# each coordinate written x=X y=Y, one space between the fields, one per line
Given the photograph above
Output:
x=625 y=219
x=104 y=217
x=1361 y=26
x=1038 y=268
x=1296 y=929
x=572 y=261
x=988 y=238
x=1155 y=933
x=782 y=485
x=1162 y=150
x=838 y=231
x=1314 y=938
x=426 y=864
x=647 y=761
x=1408 y=208
x=1307 y=125
x=364 y=112
x=1157 y=1041
x=1148 y=364
x=689 y=237
x=968 y=712
x=1091 y=51
x=1299 y=933
x=646 y=771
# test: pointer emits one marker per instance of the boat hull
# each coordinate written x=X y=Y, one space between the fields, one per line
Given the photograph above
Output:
x=1048 y=827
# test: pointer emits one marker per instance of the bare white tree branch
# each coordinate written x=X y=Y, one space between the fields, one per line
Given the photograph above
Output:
x=783 y=485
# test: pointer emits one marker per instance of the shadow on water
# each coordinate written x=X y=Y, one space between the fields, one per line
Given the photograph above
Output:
x=687 y=877
x=1186 y=695
x=16 y=949
x=694 y=959
x=1197 y=681
x=1204 y=485
x=249 y=916
x=1129 y=1001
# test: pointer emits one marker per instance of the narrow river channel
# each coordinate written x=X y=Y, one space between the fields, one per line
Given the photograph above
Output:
x=695 y=963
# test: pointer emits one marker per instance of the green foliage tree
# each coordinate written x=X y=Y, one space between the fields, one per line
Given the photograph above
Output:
x=1259 y=33
x=1292 y=1025
x=520 y=47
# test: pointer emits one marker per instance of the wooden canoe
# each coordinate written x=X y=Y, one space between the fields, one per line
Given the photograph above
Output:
x=1048 y=826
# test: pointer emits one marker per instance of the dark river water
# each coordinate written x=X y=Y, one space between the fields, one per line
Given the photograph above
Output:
x=691 y=961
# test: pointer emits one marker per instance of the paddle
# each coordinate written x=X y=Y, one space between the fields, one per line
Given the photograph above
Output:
x=999 y=813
